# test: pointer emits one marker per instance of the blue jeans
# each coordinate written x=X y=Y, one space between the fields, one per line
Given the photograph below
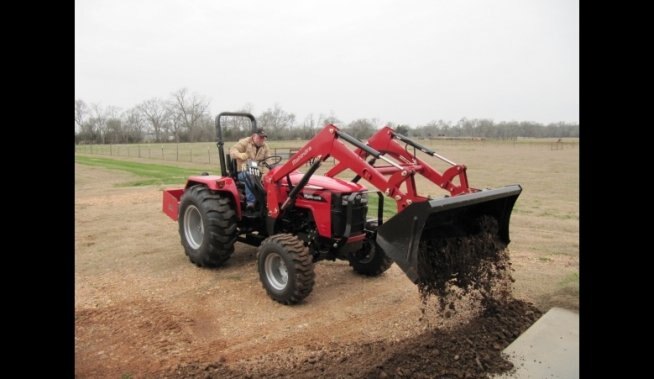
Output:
x=249 y=196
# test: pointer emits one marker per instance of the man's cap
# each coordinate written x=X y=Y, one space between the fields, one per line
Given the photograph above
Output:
x=261 y=132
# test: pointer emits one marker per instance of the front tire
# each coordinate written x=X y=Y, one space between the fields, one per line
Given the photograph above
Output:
x=370 y=260
x=285 y=268
x=207 y=226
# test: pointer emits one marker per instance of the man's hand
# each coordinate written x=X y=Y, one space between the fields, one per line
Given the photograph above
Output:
x=244 y=156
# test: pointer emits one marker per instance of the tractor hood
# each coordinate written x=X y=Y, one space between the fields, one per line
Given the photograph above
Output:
x=331 y=184
x=324 y=182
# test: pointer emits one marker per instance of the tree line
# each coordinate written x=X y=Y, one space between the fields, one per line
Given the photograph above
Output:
x=185 y=117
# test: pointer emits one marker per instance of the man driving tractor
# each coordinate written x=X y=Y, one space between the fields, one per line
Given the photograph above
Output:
x=254 y=148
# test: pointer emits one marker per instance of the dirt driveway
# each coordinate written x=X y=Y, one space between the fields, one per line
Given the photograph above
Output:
x=143 y=310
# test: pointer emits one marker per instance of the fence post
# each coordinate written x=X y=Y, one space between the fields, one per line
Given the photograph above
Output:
x=149 y=152
x=162 y=154
x=209 y=154
x=191 y=155
x=110 y=150
x=138 y=147
x=177 y=152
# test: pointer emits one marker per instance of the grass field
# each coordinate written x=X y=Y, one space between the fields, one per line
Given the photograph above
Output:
x=544 y=224
x=150 y=172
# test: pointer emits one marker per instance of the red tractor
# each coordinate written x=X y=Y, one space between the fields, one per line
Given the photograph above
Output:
x=301 y=218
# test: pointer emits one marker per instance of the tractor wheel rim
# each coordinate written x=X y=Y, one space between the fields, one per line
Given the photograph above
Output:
x=193 y=227
x=276 y=271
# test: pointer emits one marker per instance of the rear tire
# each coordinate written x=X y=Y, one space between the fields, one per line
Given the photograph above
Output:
x=286 y=268
x=207 y=226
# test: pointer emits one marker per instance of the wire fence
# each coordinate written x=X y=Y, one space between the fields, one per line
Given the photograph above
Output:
x=194 y=153
x=207 y=153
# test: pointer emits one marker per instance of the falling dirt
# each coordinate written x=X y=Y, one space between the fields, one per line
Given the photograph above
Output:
x=464 y=263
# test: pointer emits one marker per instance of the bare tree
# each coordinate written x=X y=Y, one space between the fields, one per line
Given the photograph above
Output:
x=328 y=119
x=174 y=124
x=133 y=125
x=104 y=122
x=86 y=127
x=310 y=126
x=207 y=129
x=403 y=129
x=112 y=111
x=114 y=130
x=113 y=125
x=237 y=127
x=189 y=110
x=97 y=122
x=361 y=128
x=276 y=120
x=156 y=113
x=81 y=111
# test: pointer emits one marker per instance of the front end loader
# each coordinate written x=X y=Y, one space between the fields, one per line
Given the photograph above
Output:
x=301 y=218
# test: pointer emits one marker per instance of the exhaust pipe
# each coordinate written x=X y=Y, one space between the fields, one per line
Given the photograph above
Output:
x=400 y=236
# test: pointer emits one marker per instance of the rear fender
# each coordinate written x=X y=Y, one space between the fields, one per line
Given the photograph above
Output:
x=172 y=197
x=219 y=184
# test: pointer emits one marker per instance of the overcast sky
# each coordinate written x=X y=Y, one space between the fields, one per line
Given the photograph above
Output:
x=409 y=61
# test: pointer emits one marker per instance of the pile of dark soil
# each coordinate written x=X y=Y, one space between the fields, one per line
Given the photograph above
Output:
x=471 y=350
x=463 y=268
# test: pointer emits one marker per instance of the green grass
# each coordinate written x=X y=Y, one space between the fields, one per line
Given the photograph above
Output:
x=569 y=285
x=572 y=279
x=390 y=206
x=151 y=173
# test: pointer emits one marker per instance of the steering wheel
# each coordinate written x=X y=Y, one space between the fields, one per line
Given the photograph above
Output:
x=269 y=165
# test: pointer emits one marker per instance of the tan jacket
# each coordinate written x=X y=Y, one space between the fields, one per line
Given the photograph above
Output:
x=245 y=149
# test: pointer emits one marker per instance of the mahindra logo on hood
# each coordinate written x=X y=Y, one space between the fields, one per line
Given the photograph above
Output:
x=309 y=196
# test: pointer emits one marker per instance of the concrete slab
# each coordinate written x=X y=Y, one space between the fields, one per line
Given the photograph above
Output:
x=548 y=349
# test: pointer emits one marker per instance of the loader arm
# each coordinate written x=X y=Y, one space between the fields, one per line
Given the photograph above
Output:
x=328 y=143
x=385 y=141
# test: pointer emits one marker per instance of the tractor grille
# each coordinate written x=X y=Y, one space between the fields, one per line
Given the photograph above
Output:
x=340 y=204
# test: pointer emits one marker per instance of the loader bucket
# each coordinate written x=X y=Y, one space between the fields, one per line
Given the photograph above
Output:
x=401 y=235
